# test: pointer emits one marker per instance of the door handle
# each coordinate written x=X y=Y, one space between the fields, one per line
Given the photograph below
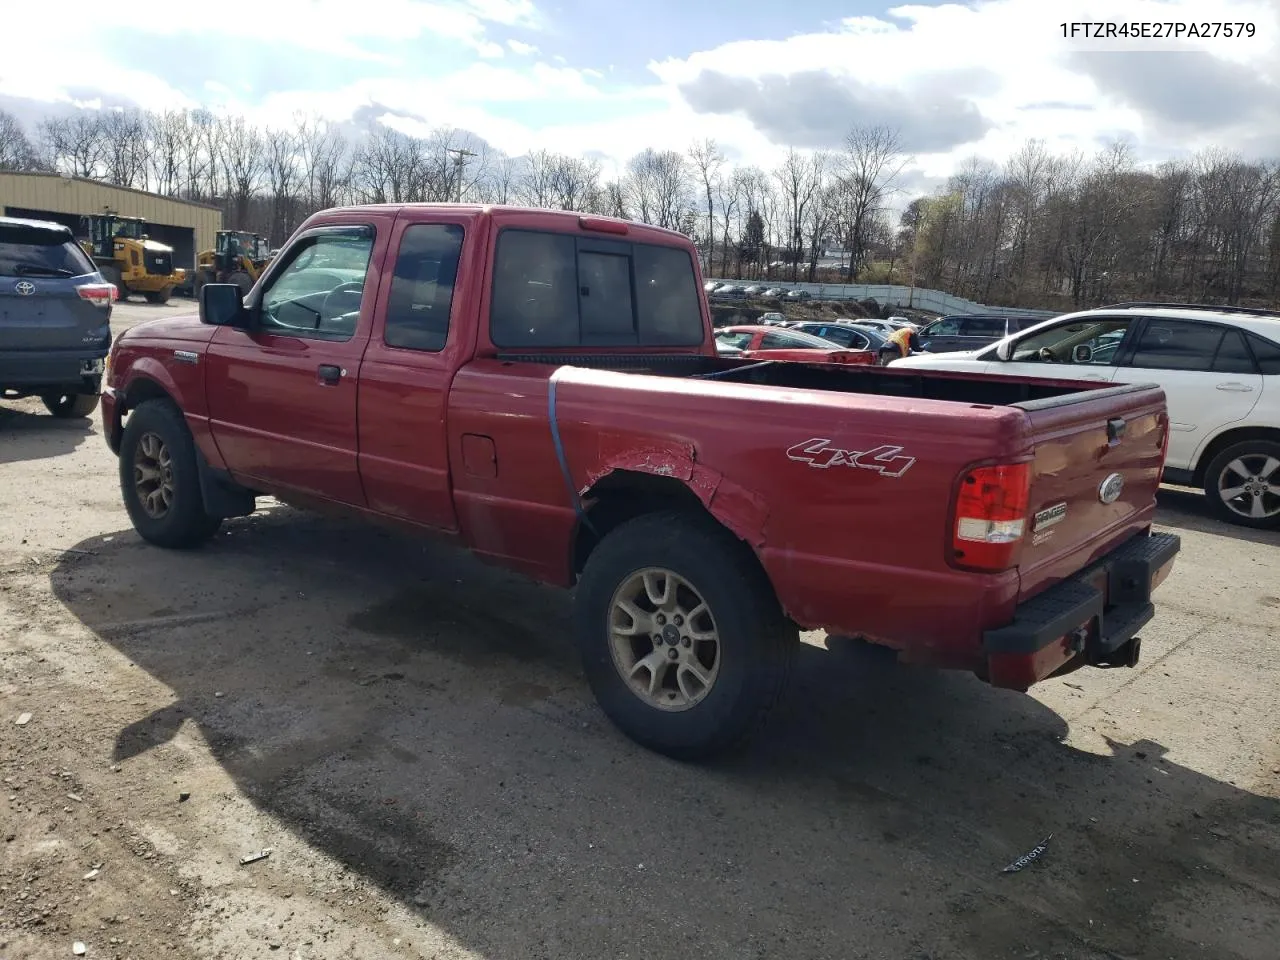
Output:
x=329 y=374
x=1235 y=387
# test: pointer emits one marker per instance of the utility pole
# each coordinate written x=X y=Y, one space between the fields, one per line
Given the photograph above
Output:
x=460 y=155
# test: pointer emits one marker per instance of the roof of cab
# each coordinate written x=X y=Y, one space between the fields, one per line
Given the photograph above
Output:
x=500 y=212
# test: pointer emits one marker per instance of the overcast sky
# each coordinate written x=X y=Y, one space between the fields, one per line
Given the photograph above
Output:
x=590 y=76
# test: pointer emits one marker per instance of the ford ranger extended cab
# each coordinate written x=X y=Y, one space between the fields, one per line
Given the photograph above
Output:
x=544 y=388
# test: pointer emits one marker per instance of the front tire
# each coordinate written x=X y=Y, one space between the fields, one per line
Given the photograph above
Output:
x=682 y=639
x=160 y=480
x=1242 y=484
x=241 y=280
x=68 y=405
x=160 y=296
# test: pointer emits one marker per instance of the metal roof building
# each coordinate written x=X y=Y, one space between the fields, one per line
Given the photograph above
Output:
x=187 y=227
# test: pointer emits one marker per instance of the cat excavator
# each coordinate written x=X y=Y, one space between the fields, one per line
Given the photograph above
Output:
x=238 y=257
x=127 y=257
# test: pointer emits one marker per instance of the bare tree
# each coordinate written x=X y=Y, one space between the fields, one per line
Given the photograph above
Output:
x=872 y=162
x=707 y=161
x=658 y=187
x=16 y=151
x=124 y=148
x=76 y=144
x=242 y=154
x=800 y=178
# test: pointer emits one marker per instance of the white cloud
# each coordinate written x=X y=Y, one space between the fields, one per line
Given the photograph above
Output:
x=1006 y=61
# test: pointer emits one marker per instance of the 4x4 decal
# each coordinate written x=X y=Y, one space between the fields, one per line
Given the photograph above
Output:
x=883 y=459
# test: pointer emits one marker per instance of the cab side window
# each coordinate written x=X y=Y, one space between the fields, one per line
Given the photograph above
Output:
x=317 y=294
x=562 y=290
x=422 y=287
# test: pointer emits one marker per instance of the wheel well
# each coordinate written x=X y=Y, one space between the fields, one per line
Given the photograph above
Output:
x=624 y=495
x=142 y=390
x=1226 y=439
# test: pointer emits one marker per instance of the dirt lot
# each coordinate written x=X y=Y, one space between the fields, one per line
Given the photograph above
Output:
x=409 y=734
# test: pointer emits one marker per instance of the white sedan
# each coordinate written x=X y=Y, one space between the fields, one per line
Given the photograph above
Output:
x=1220 y=370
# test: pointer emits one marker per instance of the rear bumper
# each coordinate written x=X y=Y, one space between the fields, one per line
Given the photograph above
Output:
x=35 y=369
x=1095 y=615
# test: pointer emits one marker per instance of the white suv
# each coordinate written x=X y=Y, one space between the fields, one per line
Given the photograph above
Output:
x=1220 y=370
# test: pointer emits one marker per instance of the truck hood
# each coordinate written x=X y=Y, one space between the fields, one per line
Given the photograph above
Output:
x=186 y=328
x=938 y=361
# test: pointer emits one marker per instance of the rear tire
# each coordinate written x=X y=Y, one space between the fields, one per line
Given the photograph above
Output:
x=241 y=280
x=160 y=296
x=1244 y=475
x=685 y=696
x=111 y=274
x=160 y=480
x=67 y=405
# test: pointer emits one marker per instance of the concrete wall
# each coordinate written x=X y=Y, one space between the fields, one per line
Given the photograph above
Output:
x=187 y=227
x=897 y=296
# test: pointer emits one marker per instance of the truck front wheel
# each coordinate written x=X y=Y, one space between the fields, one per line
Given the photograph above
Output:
x=159 y=478
x=681 y=637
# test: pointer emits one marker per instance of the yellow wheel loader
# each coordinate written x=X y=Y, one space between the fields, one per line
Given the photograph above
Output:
x=127 y=257
x=238 y=257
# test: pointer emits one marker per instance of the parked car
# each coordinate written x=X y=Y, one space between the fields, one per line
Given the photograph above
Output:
x=1218 y=366
x=773 y=320
x=883 y=327
x=798 y=295
x=755 y=290
x=729 y=291
x=776 y=293
x=710 y=286
x=970 y=331
x=55 y=318
x=846 y=335
x=770 y=343
x=542 y=387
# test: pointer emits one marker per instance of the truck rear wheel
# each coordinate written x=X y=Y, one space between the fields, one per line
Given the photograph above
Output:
x=241 y=280
x=160 y=296
x=1242 y=484
x=682 y=640
x=159 y=478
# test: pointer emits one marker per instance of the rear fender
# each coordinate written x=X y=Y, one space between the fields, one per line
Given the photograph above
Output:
x=740 y=510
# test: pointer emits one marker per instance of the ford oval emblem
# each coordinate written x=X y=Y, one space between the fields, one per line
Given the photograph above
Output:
x=1110 y=489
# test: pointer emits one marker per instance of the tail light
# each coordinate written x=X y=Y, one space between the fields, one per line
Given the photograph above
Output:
x=99 y=294
x=991 y=516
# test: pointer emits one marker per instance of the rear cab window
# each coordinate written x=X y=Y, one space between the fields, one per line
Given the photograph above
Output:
x=35 y=251
x=560 y=290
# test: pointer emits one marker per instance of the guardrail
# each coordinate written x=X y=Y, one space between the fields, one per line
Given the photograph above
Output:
x=895 y=295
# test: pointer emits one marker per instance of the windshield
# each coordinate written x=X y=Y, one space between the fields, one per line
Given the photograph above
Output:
x=1059 y=343
x=800 y=339
x=127 y=228
x=35 y=251
x=738 y=340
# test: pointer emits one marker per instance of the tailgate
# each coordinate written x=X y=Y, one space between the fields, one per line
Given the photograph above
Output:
x=1098 y=457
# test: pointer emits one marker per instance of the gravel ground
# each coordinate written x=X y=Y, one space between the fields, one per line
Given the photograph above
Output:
x=409 y=734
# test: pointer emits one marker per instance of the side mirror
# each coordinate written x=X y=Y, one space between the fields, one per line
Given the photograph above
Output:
x=1004 y=350
x=1083 y=353
x=222 y=306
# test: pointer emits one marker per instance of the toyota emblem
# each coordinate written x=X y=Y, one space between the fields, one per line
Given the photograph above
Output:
x=24 y=288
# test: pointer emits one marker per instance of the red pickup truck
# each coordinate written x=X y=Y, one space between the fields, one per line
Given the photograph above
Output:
x=543 y=388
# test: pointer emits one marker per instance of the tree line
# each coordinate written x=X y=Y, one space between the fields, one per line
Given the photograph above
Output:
x=1041 y=230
